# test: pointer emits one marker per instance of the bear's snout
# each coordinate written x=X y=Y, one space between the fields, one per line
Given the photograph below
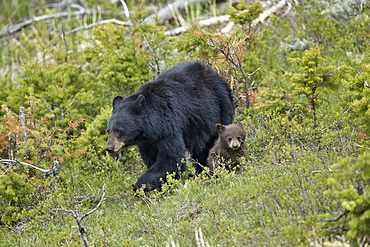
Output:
x=234 y=145
x=114 y=145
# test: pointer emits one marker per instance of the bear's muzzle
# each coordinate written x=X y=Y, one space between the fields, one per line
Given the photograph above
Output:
x=114 y=145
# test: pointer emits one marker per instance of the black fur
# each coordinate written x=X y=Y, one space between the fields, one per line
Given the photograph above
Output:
x=174 y=113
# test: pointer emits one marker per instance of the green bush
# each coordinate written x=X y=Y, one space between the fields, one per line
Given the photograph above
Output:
x=349 y=184
x=361 y=105
x=120 y=65
x=297 y=79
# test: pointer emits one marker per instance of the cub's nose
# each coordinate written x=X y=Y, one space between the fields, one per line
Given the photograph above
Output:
x=109 y=149
x=235 y=146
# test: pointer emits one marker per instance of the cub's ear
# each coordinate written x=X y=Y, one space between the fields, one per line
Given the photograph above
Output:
x=139 y=103
x=240 y=124
x=220 y=127
x=116 y=101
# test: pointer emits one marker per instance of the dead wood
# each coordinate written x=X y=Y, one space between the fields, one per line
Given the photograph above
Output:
x=226 y=19
x=19 y=26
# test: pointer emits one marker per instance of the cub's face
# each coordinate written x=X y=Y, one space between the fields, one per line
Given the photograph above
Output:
x=124 y=125
x=232 y=136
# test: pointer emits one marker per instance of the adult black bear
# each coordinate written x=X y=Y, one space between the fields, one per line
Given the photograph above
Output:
x=228 y=147
x=166 y=117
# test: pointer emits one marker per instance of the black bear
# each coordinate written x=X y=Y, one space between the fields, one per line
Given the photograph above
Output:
x=172 y=114
x=228 y=146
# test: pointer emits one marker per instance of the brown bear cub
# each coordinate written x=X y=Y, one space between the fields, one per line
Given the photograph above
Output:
x=228 y=146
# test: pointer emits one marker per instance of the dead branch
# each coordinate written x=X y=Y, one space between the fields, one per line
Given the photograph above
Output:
x=63 y=32
x=164 y=14
x=115 y=21
x=125 y=8
x=54 y=171
x=22 y=116
x=251 y=74
x=200 y=239
x=341 y=214
x=236 y=62
x=75 y=214
x=262 y=18
x=19 y=26
x=338 y=227
x=202 y=23
x=334 y=228
x=168 y=12
x=226 y=18
x=13 y=162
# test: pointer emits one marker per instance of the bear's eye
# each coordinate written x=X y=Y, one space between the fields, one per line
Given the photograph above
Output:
x=229 y=139
x=118 y=130
x=239 y=138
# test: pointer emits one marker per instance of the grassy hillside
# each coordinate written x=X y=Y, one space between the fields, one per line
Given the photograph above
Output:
x=300 y=79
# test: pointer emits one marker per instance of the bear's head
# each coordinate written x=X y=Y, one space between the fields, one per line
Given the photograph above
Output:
x=124 y=126
x=231 y=136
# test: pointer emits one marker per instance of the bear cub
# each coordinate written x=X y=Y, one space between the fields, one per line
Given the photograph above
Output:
x=228 y=146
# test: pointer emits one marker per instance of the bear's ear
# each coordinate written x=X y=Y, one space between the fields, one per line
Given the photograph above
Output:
x=116 y=101
x=240 y=124
x=138 y=104
x=220 y=128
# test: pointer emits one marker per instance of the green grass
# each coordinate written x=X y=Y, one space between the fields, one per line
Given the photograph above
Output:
x=266 y=203
x=277 y=198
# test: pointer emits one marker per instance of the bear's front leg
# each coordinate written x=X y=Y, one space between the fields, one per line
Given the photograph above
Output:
x=168 y=161
x=155 y=176
x=149 y=153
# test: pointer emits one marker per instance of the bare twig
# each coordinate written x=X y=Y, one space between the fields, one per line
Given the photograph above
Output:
x=342 y=227
x=54 y=171
x=360 y=146
x=10 y=148
x=333 y=228
x=236 y=61
x=366 y=84
x=200 y=239
x=63 y=33
x=251 y=74
x=341 y=214
x=115 y=21
x=13 y=162
x=82 y=229
x=169 y=9
x=202 y=23
x=17 y=27
x=359 y=187
x=97 y=206
x=262 y=18
x=125 y=8
x=226 y=18
x=22 y=116
x=167 y=13
x=152 y=51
